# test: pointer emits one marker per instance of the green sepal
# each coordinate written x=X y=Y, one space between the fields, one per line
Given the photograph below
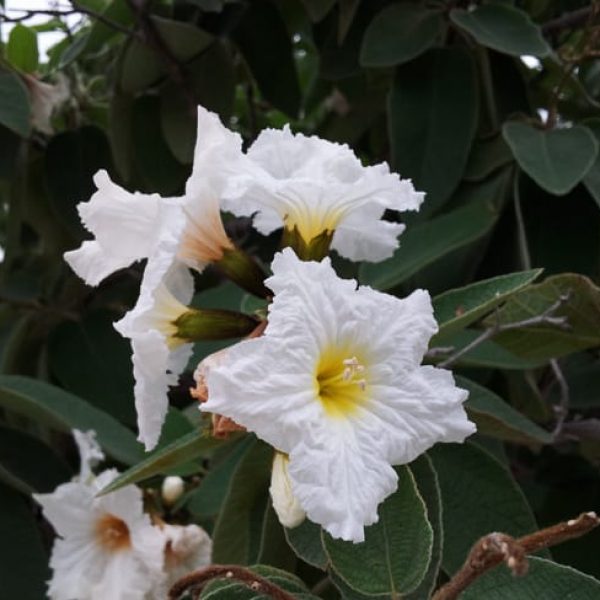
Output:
x=244 y=271
x=211 y=324
x=316 y=249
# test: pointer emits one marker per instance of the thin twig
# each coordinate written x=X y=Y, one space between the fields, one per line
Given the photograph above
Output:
x=546 y=318
x=496 y=548
x=521 y=231
x=194 y=582
x=569 y=20
x=562 y=408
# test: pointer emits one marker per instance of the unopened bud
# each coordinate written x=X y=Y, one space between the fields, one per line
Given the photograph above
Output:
x=286 y=505
x=172 y=489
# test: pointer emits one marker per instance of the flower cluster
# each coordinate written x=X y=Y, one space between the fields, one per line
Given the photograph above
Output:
x=333 y=378
x=108 y=547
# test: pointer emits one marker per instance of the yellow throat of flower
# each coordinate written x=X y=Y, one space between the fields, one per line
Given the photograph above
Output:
x=341 y=382
x=311 y=223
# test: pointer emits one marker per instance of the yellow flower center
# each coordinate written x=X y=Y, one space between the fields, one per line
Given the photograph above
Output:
x=311 y=222
x=112 y=533
x=341 y=383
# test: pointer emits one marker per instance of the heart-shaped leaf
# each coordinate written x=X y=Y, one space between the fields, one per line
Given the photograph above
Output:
x=556 y=160
x=503 y=28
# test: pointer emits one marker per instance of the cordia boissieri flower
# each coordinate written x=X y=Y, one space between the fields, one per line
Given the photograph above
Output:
x=106 y=545
x=313 y=188
x=336 y=383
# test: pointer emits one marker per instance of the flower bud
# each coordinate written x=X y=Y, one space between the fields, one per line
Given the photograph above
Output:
x=286 y=505
x=172 y=489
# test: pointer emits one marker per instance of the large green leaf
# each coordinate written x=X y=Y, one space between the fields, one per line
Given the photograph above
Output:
x=142 y=66
x=54 y=407
x=164 y=460
x=396 y=552
x=306 y=541
x=266 y=46
x=424 y=243
x=557 y=159
x=429 y=489
x=487 y=155
x=72 y=159
x=502 y=27
x=582 y=311
x=23 y=561
x=14 y=104
x=545 y=579
x=22 y=48
x=399 y=33
x=238 y=531
x=29 y=465
x=433 y=113
x=102 y=372
x=457 y=309
x=478 y=496
x=592 y=179
x=497 y=419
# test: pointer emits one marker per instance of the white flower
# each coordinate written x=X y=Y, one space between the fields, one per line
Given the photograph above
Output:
x=90 y=453
x=320 y=187
x=186 y=549
x=44 y=98
x=128 y=227
x=107 y=547
x=286 y=505
x=336 y=384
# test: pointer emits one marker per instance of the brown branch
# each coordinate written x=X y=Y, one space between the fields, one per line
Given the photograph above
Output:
x=569 y=20
x=496 y=548
x=194 y=582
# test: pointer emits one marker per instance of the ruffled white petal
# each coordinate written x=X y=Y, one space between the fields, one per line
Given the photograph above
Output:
x=90 y=453
x=125 y=226
x=317 y=185
x=387 y=409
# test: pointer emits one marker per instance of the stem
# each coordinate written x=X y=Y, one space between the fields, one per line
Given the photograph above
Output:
x=521 y=232
x=495 y=548
x=569 y=20
x=194 y=582
x=488 y=86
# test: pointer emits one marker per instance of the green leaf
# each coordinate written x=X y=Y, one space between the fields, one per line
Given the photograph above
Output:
x=317 y=9
x=306 y=541
x=497 y=419
x=72 y=159
x=399 y=33
x=118 y=12
x=52 y=406
x=102 y=372
x=502 y=27
x=592 y=179
x=544 y=579
x=487 y=155
x=165 y=460
x=266 y=47
x=142 y=66
x=155 y=163
x=238 y=530
x=433 y=115
x=29 y=465
x=489 y=354
x=15 y=110
x=22 y=48
x=424 y=243
x=478 y=496
x=542 y=342
x=456 y=309
x=396 y=552
x=23 y=560
x=429 y=489
x=557 y=160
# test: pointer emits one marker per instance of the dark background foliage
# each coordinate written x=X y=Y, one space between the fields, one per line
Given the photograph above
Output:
x=506 y=149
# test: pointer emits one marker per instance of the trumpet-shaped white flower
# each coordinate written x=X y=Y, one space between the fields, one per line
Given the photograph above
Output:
x=107 y=547
x=336 y=384
x=90 y=453
x=320 y=187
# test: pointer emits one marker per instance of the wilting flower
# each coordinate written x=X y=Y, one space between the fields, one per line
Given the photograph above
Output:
x=336 y=383
x=315 y=188
x=186 y=549
x=44 y=98
x=107 y=547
